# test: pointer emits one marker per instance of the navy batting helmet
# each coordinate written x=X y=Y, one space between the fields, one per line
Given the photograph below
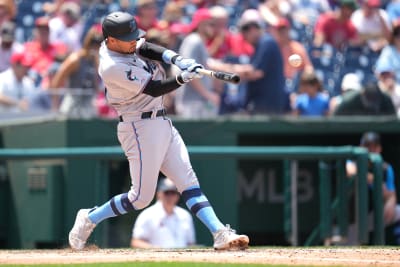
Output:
x=122 y=26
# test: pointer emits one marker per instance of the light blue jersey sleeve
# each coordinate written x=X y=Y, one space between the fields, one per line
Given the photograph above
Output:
x=390 y=178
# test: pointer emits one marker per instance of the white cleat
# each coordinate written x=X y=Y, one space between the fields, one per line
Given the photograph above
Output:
x=81 y=230
x=227 y=239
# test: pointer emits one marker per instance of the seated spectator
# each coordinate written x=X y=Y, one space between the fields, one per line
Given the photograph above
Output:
x=388 y=84
x=336 y=28
x=350 y=83
x=390 y=54
x=280 y=31
x=78 y=73
x=66 y=27
x=272 y=10
x=8 y=44
x=164 y=224
x=43 y=52
x=369 y=101
x=391 y=210
x=372 y=24
x=311 y=100
x=16 y=88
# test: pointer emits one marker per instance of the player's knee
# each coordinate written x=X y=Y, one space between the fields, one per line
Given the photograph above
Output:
x=142 y=202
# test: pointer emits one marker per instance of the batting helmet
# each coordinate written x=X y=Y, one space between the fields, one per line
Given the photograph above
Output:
x=122 y=26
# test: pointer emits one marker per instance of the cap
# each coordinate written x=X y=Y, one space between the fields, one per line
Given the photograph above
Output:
x=282 y=23
x=22 y=59
x=42 y=21
x=373 y=3
x=166 y=184
x=370 y=138
x=7 y=31
x=202 y=14
x=351 y=81
x=122 y=26
x=219 y=12
x=250 y=16
x=71 y=9
x=384 y=66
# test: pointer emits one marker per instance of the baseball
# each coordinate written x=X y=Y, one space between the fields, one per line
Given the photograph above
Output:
x=295 y=60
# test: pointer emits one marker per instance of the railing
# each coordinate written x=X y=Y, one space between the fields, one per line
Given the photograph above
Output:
x=290 y=156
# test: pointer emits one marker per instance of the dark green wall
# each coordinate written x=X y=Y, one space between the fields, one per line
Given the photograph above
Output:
x=228 y=184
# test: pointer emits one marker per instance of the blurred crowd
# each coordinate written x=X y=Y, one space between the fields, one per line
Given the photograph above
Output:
x=350 y=52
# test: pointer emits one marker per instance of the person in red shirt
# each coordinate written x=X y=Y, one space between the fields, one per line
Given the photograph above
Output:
x=43 y=52
x=336 y=28
x=146 y=15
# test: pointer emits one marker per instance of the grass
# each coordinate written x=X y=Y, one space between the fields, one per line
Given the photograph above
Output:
x=151 y=264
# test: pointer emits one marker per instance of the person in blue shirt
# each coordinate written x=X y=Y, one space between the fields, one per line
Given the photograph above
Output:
x=311 y=100
x=391 y=210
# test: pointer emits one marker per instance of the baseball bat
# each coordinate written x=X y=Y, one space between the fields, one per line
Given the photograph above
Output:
x=220 y=75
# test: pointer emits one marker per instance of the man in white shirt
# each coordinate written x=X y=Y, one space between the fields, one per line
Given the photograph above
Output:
x=16 y=88
x=164 y=225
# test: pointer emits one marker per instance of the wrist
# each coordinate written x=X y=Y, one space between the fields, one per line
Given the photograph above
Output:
x=179 y=79
x=169 y=56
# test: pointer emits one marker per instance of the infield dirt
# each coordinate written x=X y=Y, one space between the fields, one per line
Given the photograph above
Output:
x=338 y=256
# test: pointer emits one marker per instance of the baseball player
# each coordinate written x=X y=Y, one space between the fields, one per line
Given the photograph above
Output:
x=135 y=85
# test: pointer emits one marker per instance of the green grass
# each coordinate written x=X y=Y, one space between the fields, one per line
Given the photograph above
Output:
x=150 y=264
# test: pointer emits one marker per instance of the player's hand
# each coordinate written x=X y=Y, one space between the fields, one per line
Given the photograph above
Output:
x=193 y=68
x=187 y=76
x=184 y=63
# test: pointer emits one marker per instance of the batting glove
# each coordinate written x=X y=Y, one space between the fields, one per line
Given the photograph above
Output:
x=187 y=76
x=193 y=68
x=184 y=63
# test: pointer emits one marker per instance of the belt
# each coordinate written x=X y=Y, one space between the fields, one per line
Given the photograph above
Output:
x=149 y=114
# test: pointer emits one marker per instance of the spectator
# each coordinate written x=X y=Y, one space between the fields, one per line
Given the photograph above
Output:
x=312 y=101
x=336 y=28
x=266 y=89
x=372 y=24
x=388 y=84
x=8 y=44
x=350 y=83
x=280 y=31
x=219 y=46
x=78 y=72
x=391 y=210
x=390 y=54
x=393 y=11
x=272 y=10
x=147 y=15
x=198 y=99
x=16 y=88
x=369 y=101
x=43 y=52
x=8 y=10
x=66 y=27
x=164 y=224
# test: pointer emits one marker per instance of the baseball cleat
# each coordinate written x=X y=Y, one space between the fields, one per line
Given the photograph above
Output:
x=81 y=230
x=227 y=239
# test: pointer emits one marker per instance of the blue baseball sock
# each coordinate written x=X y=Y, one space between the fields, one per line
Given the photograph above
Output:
x=197 y=202
x=116 y=206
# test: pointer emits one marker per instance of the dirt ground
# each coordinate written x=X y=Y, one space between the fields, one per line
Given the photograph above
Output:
x=340 y=256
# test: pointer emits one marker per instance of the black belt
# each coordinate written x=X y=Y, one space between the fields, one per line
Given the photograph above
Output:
x=148 y=114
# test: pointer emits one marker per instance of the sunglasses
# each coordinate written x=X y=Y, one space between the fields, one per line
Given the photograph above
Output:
x=170 y=193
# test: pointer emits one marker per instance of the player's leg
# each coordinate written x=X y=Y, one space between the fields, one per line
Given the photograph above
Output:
x=145 y=156
x=177 y=166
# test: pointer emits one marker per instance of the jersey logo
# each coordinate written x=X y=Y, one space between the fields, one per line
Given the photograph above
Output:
x=129 y=76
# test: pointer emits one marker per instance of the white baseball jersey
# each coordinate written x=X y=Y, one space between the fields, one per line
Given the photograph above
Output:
x=153 y=144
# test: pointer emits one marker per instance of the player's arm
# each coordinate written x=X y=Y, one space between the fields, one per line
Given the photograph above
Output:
x=157 y=88
x=162 y=54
